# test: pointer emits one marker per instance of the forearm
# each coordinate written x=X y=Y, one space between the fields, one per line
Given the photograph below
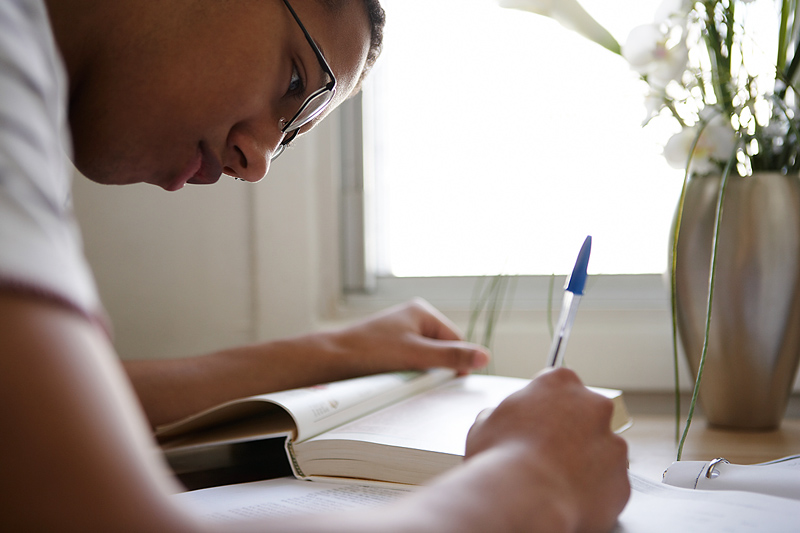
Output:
x=170 y=389
x=413 y=336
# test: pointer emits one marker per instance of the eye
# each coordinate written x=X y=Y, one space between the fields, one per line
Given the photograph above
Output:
x=296 y=85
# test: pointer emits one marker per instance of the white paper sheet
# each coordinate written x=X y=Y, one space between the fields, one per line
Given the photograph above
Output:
x=653 y=507
x=282 y=497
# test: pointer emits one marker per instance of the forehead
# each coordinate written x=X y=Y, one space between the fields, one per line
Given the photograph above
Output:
x=342 y=34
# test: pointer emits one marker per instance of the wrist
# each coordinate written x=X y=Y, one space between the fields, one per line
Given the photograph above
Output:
x=550 y=499
x=502 y=489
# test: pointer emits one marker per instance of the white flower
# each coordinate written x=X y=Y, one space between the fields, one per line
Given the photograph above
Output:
x=653 y=103
x=714 y=147
x=648 y=52
x=571 y=15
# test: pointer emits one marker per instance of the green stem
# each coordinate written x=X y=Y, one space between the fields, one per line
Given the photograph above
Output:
x=674 y=303
x=790 y=71
x=477 y=303
x=674 y=284
x=488 y=299
x=787 y=73
x=720 y=64
x=495 y=305
x=783 y=37
x=711 y=280
x=671 y=106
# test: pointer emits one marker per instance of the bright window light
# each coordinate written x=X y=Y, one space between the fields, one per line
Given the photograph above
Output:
x=503 y=139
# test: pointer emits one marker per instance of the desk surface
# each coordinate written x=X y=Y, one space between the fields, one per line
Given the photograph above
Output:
x=652 y=447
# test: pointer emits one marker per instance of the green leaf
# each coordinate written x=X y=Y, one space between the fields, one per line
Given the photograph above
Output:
x=571 y=15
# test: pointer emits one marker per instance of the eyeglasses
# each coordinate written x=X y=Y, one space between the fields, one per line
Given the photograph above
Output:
x=316 y=101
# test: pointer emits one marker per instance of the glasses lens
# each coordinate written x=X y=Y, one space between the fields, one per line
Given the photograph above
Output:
x=286 y=141
x=315 y=105
x=278 y=151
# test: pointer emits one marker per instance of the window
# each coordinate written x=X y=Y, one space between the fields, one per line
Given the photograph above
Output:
x=477 y=118
x=501 y=139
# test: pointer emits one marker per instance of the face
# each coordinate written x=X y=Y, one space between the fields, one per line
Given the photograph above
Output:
x=190 y=89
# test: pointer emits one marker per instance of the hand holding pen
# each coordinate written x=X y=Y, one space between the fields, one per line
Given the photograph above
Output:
x=569 y=306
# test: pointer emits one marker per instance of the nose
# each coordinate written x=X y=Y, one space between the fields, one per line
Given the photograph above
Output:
x=247 y=154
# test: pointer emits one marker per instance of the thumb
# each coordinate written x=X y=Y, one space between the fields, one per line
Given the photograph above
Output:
x=474 y=438
x=483 y=415
x=458 y=355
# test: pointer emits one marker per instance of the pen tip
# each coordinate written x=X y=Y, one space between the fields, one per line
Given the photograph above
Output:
x=577 y=280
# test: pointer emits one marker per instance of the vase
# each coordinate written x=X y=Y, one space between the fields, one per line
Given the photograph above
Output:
x=754 y=339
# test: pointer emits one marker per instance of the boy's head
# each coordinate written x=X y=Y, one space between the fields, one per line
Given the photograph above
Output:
x=181 y=90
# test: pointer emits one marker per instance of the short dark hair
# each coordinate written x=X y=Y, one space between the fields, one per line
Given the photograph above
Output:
x=377 y=19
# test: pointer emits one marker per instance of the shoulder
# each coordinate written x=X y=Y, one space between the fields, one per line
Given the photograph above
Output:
x=34 y=89
x=40 y=246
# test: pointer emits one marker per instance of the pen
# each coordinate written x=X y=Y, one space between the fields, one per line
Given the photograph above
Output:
x=569 y=306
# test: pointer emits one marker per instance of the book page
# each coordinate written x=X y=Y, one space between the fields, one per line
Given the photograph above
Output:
x=656 y=507
x=282 y=497
x=323 y=407
x=319 y=408
x=437 y=420
x=653 y=507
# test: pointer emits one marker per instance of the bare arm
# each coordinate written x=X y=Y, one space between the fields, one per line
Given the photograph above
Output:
x=410 y=336
x=76 y=453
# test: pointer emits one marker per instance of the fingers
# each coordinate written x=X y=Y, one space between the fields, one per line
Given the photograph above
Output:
x=440 y=342
x=458 y=355
x=554 y=406
x=559 y=429
x=411 y=336
x=433 y=323
x=473 y=360
x=557 y=376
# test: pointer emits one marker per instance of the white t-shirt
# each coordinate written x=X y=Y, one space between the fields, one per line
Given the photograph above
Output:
x=40 y=245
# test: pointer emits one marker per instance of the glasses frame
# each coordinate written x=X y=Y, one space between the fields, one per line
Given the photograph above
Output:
x=292 y=127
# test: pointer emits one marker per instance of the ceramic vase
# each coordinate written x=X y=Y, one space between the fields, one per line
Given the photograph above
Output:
x=754 y=341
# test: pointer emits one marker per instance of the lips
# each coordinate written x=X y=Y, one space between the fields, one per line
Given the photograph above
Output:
x=203 y=169
x=210 y=167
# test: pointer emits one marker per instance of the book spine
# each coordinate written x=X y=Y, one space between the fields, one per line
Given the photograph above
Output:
x=298 y=472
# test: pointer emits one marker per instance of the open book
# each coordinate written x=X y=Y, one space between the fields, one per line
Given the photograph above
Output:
x=404 y=427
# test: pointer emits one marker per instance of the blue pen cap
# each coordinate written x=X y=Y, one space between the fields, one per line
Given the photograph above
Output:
x=577 y=280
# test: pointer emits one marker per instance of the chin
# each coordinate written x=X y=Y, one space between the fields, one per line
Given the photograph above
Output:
x=101 y=171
